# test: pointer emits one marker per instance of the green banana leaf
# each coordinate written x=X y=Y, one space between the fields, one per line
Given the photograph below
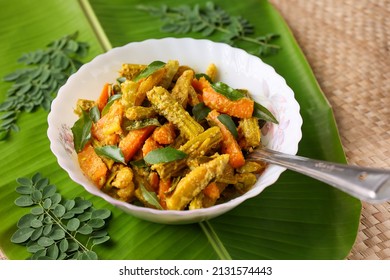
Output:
x=296 y=218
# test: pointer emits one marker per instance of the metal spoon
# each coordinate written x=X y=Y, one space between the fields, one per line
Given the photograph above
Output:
x=368 y=184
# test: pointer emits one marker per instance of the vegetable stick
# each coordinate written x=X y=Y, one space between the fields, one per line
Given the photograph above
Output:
x=229 y=144
x=212 y=191
x=134 y=140
x=165 y=134
x=241 y=108
x=92 y=165
x=211 y=71
x=140 y=113
x=108 y=128
x=103 y=97
x=149 y=145
x=182 y=87
x=167 y=106
x=250 y=131
x=154 y=181
x=200 y=84
x=164 y=186
x=171 y=68
x=195 y=181
x=198 y=146
x=147 y=84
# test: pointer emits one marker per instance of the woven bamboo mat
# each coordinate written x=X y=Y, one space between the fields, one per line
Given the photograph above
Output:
x=347 y=44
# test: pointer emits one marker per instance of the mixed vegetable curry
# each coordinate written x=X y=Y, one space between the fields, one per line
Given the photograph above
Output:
x=165 y=137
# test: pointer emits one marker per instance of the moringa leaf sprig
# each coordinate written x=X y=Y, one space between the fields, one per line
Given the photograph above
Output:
x=208 y=20
x=56 y=228
x=35 y=85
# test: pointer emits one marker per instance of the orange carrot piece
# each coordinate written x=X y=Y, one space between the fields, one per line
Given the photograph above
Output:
x=103 y=97
x=241 y=108
x=163 y=188
x=165 y=134
x=154 y=181
x=150 y=145
x=212 y=191
x=200 y=84
x=108 y=128
x=92 y=165
x=97 y=132
x=229 y=144
x=134 y=141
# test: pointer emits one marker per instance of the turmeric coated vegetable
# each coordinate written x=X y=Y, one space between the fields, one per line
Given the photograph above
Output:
x=229 y=144
x=134 y=141
x=103 y=97
x=198 y=146
x=195 y=181
x=92 y=165
x=108 y=128
x=182 y=88
x=167 y=138
x=167 y=106
x=124 y=182
x=242 y=108
x=250 y=130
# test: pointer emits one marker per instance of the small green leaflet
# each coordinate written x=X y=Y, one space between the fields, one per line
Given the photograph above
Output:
x=229 y=123
x=37 y=82
x=149 y=70
x=229 y=92
x=263 y=113
x=150 y=197
x=81 y=131
x=163 y=155
x=57 y=228
x=209 y=19
x=200 y=111
x=111 y=152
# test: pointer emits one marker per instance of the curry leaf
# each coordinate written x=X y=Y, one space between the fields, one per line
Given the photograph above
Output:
x=229 y=123
x=263 y=113
x=111 y=152
x=163 y=155
x=150 y=197
x=139 y=163
x=94 y=114
x=200 y=111
x=227 y=91
x=111 y=101
x=81 y=131
x=149 y=70
x=200 y=75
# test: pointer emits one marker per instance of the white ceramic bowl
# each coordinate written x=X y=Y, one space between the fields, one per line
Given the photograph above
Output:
x=236 y=67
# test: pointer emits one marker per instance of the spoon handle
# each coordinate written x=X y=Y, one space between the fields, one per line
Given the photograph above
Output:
x=368 y=184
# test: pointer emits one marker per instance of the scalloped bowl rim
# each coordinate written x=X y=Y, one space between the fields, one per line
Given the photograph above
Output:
x=238 y=63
